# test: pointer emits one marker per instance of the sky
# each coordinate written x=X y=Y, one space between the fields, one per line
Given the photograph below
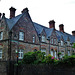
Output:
x=42 y=11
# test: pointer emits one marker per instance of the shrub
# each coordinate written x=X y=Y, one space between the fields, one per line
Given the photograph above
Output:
x=50 y=60
x=28 y=58
x=33 y=57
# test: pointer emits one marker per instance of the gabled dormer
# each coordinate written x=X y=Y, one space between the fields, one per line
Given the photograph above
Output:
x=43 y=36
x=62 y=41
x=68 y=41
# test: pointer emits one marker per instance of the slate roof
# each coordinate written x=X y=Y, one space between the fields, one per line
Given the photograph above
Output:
x=39 y=28
x=13 y=21
x=65 y=36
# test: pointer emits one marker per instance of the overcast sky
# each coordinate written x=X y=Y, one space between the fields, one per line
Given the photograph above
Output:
x=42 y=11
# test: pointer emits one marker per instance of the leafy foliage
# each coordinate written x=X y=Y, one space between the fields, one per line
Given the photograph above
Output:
x=39 y=57
x=33 y=57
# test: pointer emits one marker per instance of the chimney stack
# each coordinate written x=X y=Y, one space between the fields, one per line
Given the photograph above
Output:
x=61 y=28
x=52 y=24
x=12 y=12
x=25 y=10
x=73 y=33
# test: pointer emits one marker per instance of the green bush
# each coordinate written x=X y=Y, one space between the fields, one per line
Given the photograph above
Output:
x=28 y=58
x=49 y=59
x=33 y=57
x=67 y=61
x=39 y=57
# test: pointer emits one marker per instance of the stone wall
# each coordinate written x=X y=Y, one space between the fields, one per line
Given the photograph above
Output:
x=45 y=70
x=3 y=68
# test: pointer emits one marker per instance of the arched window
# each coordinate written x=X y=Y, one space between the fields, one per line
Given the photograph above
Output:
x=68 y=52
x=51 y=41
x=51 y=52
x=43 y=50
x=55 y=54
x=35 y=50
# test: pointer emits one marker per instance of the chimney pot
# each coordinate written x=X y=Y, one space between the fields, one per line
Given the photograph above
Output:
x=12 y=12
x=52 y=24
x=73 y=33
x=61 y=28
x=25 y=10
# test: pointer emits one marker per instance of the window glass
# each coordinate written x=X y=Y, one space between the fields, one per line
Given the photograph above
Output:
x=68 y=43
x=62 y=43
x=0 y=53
x=21 y=35
x=20 y=54
x=51 y=52
x=54 y=41
x=43 y=39
x=35 y=50
x=55 y=54
x=43 y=50
x=68 y=52
x=33 y=39
x=62 y=54
x=1 y=35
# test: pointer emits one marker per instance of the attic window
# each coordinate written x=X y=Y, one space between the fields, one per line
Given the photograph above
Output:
x=51 y=41
x=68 y=43
x=54 y=41
x=15 y=36
x=43 y=38
x=62 y=43
x=21 y=36
x=1 y=35
x=33 y=39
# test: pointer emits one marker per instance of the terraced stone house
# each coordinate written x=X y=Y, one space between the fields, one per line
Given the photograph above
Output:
x=22 y=34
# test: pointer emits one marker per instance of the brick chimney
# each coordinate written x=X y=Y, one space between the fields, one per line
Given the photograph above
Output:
x=12 y=12
x=25 y=10
x=73 y=33
x=61 y=28
x=52 y=24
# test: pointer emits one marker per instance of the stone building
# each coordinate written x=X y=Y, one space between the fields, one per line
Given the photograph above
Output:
x=22 y=34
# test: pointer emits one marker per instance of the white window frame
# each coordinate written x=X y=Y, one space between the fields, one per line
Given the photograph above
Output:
x=62 y=43
x=21 y=36
x=21 y=54
x=55 y=54
x=0 y=53
x=68 y=43
x=62 y=54
x=43 y=38
x=54 y=41
x=43 y=50
x=1 y=35
x=52 y=54
x=33 y=39
x=68 y=52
